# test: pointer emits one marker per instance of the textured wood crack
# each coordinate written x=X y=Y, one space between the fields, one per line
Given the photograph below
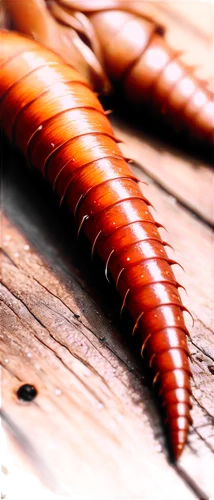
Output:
x=184 y=179
x=202 y=350
x=12 y=277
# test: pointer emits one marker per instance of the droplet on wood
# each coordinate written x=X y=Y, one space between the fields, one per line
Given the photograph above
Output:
x=58 y=392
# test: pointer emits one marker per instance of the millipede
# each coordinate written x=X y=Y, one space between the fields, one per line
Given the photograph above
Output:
x=146 y=71
x=49 y=112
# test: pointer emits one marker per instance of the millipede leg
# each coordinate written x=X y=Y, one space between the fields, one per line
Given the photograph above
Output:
x=94 y=244
x=107 y=263
x=144 y=344
x=137 y=322
x=118 y=277
x=124 y=302
x=85 y=217
x=76 y=206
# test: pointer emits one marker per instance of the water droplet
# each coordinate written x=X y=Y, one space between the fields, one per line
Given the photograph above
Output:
x=26 y=247
x=7 y=237
x=100 y=406
x=6 y=360
x=52 y=444
x=52 y=144
x=29 y=355
x=58 y=392
x=128 y=258
x=153 y=467
x=16 y=254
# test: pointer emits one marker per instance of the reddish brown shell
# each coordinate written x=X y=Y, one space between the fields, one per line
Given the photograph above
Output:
x=122 y=40
x=48 y=111
x=152 y=74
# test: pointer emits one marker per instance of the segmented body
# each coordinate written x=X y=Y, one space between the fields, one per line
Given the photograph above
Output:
x=122 y=41
x=48 y=111
x=151 y=74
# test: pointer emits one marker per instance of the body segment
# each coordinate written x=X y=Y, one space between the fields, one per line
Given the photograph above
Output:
x=122 y=42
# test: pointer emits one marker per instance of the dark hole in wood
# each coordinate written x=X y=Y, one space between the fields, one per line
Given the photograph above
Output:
x=26 y=392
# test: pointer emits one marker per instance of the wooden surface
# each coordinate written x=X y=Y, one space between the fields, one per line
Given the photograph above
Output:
x=182 y=177
x=52 y=309
x=94 y=430
x=189 y=28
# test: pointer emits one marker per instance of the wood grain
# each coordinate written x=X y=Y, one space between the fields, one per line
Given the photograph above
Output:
x=187 y=180
x=189 y=28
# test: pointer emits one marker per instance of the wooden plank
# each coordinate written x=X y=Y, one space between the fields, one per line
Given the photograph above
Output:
x=94 y=428
x=189 y=182
x=198 y=19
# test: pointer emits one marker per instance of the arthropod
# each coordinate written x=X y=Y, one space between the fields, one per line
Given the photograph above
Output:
x=143 y=67
x=49 y=112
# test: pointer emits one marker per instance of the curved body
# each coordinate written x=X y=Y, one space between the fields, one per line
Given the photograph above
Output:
x=121 y=41
x=48 y=111
x=151 y=74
